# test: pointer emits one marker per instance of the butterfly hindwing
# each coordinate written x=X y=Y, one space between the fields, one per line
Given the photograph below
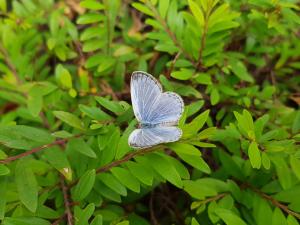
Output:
x=167 y=110
x=145 y=138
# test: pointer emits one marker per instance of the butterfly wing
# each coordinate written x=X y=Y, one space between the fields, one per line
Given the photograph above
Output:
x=152 y=106
x=145 y=91
x=145 y=138
x=167 y=109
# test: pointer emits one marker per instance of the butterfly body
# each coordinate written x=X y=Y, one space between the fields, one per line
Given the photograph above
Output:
x=156 y=111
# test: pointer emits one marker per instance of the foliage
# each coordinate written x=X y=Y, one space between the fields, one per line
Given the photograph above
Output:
x=66 y=113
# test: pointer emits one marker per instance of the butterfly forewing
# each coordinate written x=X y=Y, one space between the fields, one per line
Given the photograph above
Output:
x=145 y=91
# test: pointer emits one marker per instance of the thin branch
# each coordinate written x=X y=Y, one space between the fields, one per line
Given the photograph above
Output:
x=173 y=64
x=9 y=64
x=44 y=120
x=37 y=149
x=108 y=24
x=203 y=42
x=199 y=65
x=169 y=32
x=273 y=201
x=151 y=208
x=278 y=204
x=126 y=158
x=211 y=199
x=107 y=90
x=56 y=222
x=66 y=200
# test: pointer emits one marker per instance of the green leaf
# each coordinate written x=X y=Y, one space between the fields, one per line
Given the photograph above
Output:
x=70 y=119
x=193 y=127
x=254 y=155
x=142 y=8
x=113 y=183
x=126 y=178
x=230 y=166
x=95 y=113
x=282 y=171
x=183 y=74
x=142 y=173
x=295 y=165
x=163 y=167
x=3 y=6
x=197 y=190
x=27 y=185
x=4 y=170
x=278 y=218
x=86 y=214
x=194 y=222
x=111 y=146
x=46 y=212
x=193 y=108
x=260 y=124
x=197 y=12
x=97 y=220
x=125 y=222
x=185 y=149
x=123 y=146
x=207 y=133
x=239 y=69
x=203 y=78
x=25 y=221
x=214 y=96
x=91 y=4
x=112 y=106
x=63 y=77
x=262 y=211
x=265 y=160
x=85 y=185
x=180 y=168
x=291 y=220
x=35 y=101
x=24 y=137
x=229 y=217
x=62 y=134
x=79 y=145
x=163 y=8
x=89 y=18
x=3 y=199
x=245 y=123
x=58 y=159
x=196 y=162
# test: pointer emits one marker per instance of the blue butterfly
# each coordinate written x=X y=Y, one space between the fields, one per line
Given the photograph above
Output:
x=157 y=112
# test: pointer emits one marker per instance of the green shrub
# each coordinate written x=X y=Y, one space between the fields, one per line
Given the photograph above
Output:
x=66 y=112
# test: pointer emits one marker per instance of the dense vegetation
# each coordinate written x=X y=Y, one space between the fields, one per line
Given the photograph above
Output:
x=66 y=113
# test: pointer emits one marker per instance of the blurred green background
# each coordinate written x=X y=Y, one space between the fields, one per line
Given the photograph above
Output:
x=66 y=112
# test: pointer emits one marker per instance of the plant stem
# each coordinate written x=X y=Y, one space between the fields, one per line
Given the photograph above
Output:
x=126 y=158
x=214 y=198
x=168 y=75
x=277 y=204
x=169 y=32
x=66 y=200
x=37 y=149
x=9 y=64
x=203 y=41
x=273 y=201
